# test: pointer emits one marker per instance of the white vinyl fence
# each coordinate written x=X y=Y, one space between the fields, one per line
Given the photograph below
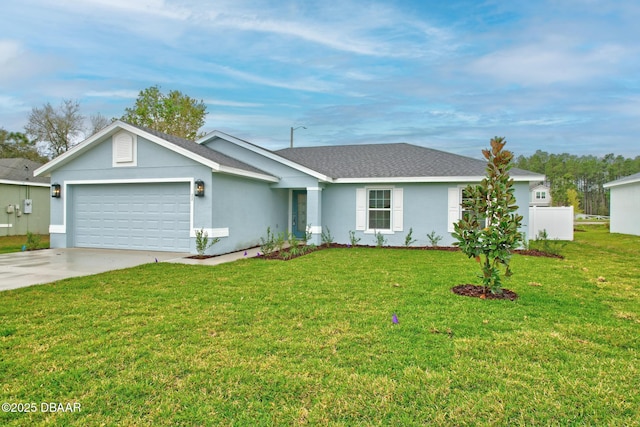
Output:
x=557 y=221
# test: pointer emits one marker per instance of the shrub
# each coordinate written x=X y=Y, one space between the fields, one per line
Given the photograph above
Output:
x=202 y=241
x=267 y=244
x=327 y=238
x=489 y=226
x=434 y=239
x=544 y=244
x=33 y=241
x=380 y=239
x=408 y=241
x=353 y=240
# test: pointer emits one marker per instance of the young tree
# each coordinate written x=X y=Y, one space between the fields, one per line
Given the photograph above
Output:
x=175 y=113
x=490 y=225
x=58 y=128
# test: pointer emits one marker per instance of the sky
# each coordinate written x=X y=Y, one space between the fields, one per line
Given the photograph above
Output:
x=552 y=75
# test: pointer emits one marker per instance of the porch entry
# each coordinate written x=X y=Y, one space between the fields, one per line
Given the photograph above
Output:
x=299 y=213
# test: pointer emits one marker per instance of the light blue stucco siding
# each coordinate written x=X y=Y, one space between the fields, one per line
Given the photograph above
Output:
x=424 y=209
x=155 y=164
x=246 y=208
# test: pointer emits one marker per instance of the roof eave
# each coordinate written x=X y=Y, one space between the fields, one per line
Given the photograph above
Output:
x=265 y=153
x=425 y=179
x=247 y=174
x=28 y=183
x=619 y=183
x=119 y=125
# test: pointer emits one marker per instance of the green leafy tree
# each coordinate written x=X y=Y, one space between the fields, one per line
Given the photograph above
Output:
x=16 y=144
x=573 y=200
x=58 y=128
x=173 y=113
x=488 y=230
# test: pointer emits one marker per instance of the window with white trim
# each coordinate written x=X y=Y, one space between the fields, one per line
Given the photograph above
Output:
x=541 y=195
x=379 y=209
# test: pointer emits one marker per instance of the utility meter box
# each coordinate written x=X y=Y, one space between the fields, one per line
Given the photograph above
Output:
x=10 y=209
x=28 y=206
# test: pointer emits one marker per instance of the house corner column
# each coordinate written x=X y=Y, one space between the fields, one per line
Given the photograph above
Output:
x=314 y=214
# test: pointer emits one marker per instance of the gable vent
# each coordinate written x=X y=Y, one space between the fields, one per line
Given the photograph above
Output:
x=124 y=148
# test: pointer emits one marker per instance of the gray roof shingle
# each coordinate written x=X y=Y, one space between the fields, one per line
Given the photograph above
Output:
x=203 y=151
x=626 y=179
x=21 y=170
x=387 y=161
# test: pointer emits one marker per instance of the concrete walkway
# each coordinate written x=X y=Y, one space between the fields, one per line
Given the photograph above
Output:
x=21 y=269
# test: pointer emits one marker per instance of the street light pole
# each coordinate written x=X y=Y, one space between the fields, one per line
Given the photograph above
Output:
x=292 y=129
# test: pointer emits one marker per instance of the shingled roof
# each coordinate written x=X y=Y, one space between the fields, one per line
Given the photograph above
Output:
x=20 y=170
x=387 y=161
x=624 y=180
x=202 y=151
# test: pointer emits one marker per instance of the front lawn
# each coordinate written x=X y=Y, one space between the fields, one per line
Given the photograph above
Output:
x=311 y=341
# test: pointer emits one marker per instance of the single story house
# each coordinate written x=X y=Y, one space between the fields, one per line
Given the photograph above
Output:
x=540 y=195
x=624 y=204
x=24 y=199
x=130 y=187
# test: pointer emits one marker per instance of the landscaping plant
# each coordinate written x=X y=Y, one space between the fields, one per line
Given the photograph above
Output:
x=327 y=238
x=353 y=240
x=203 y=242
x=33 y=241
x=408 y=239
x=434 y=238
x=488 y=230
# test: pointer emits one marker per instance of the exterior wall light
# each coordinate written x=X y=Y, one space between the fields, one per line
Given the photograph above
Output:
x=55 y=191
x=199 y=191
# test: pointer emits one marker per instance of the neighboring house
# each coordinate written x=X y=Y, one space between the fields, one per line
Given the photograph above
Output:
x=624 y=205
x=135 y=188
x=24 y=199
x=540 y=194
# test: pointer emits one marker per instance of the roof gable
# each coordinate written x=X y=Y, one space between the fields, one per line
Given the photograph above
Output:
x=218 y=162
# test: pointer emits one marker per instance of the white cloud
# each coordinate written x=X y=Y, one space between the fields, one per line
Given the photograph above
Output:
x=118 y=93
x=551 y=61
x=158 y=8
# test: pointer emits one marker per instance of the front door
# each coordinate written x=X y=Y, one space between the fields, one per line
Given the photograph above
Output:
x=299 y=213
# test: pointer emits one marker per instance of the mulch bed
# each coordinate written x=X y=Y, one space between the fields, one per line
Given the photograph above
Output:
x=476 y=291
x=534 y=252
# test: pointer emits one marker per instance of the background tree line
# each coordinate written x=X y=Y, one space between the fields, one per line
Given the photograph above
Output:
x=51 y=131
x=579 y=179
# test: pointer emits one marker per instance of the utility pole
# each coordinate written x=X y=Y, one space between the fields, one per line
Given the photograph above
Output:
x=292 y=129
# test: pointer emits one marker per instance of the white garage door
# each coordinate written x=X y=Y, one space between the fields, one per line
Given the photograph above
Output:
x=132 y=216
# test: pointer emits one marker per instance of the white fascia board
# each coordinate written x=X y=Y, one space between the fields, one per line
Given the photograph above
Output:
x=423 y=179
x=45 y=169
x=29 y=183
x=112 y=129
x=118 y=125
x=247 y=174
x=618 y=183
x=265 y=153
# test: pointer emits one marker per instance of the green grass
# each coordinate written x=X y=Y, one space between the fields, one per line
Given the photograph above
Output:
x=311 y=341
x=14 y=243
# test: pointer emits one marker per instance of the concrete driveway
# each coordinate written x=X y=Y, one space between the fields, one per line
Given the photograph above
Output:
x=22 y=269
